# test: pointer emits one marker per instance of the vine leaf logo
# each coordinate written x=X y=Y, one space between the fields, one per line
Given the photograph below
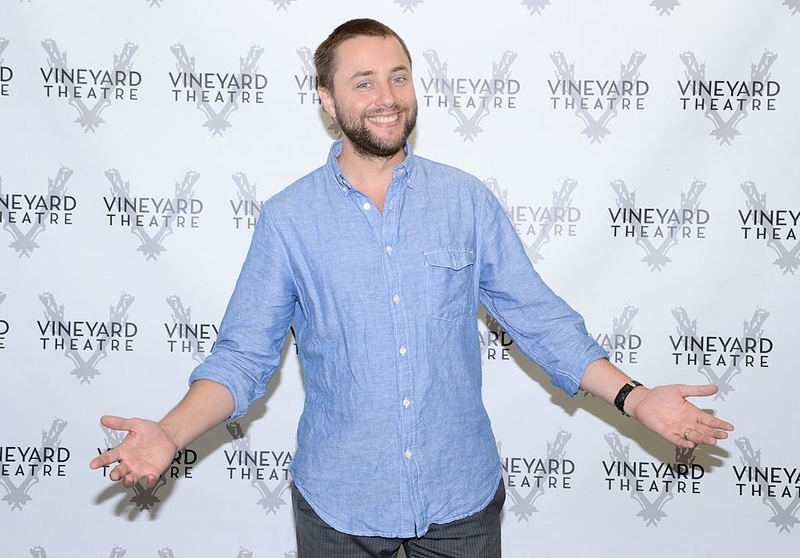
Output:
x=536 y=6
x=89 y=117
x=561 y=203
x=725 y=128
x=271 y=499
x=784 y=518
x=17 y=495
x=217 y=121
x=665 y=7
x=468 y=125
x=687 y=328
x=788 y=258
x=523 y=505
x=652 y=510
x=85 y=369
x=656 y=256
x=183 y=316
x=408 y=5
x=25 y=242
x=152 y=246
x=308 y=69
x=597 y=127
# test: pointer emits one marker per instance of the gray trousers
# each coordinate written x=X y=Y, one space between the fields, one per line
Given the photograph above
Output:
x=476 y=536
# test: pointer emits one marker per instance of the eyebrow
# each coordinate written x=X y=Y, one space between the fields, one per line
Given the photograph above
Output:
x=365 y=73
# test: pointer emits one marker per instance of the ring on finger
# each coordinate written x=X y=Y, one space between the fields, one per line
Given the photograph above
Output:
x=686 y=434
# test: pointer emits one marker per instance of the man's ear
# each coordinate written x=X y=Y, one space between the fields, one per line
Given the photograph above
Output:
x=327 y=101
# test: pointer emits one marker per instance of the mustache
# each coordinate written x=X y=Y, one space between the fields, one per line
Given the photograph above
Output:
x=387 y=110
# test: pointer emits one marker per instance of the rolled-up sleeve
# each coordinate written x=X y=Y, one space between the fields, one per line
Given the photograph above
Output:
x=256 y=322
x=544 y=327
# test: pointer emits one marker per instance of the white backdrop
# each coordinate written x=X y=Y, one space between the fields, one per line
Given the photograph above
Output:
x=646 y=151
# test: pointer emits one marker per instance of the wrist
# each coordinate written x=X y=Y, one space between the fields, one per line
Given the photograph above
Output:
x=172 y=435
x=632 y=402
x=627 y=398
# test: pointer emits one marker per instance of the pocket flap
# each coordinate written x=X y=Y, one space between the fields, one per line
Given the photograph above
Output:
x=453 y=259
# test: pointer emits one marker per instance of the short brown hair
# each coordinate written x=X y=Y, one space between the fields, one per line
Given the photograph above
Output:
x=325 y=55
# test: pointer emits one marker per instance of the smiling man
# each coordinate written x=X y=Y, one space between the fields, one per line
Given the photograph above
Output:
x=382 y=284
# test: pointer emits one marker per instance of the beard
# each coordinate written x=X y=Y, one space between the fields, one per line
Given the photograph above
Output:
x=368 y=144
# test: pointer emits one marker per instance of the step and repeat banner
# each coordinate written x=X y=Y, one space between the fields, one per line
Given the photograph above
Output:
x=645 y=150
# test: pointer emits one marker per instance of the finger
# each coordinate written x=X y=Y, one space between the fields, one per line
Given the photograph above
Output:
x=129 y=480
x=683 y=441
x=125 y=474
x=700 y=434
x=708 y=420
x=116 y=423
x=715 y=423
x=149 y=481
x=105 y=458
x=118 y=472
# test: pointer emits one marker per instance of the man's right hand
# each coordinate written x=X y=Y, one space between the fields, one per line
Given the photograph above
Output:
x=144 y=454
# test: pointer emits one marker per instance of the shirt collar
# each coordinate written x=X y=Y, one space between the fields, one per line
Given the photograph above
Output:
x=402 y=171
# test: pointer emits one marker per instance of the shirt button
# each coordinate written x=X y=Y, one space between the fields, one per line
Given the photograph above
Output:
x=366 y=206
x=408 y=454
x=406 y=402
x=403 y=351
x=388 y=249
x=395 y=299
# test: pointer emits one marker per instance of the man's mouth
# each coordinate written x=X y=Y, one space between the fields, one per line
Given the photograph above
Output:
x=385 y=118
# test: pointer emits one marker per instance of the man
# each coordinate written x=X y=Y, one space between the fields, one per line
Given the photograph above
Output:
x=383 y=285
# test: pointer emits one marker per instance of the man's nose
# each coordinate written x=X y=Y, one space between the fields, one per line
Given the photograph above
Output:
x=385 y=94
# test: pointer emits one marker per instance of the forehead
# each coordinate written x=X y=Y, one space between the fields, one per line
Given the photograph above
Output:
x=369 y=55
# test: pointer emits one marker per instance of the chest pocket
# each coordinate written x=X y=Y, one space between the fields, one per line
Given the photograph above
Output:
x=449 y=282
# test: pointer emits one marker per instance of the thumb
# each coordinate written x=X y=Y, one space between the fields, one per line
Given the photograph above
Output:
x=701 y=390
x=116 y=423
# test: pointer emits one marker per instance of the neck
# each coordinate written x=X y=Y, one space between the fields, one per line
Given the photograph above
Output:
x=368 y=174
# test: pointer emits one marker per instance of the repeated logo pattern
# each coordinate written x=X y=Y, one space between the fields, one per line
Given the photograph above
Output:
x=141 y=139
x=17 y=493
x=272 y=499
x=784 y=513
x=217 y=120
x=25 y=242
x=184 y=330
x=651 y=495
x=85 y=368
x=89 y=116
x=151 y=244
x=536 y=6
x=554 y=217
x=595 y=119
x=665 y=7
x=788 y=256
x=468 y=120
x=523 y=501
x=656 y=246
x=725 y=129
x=733 y=359
x=408 y=5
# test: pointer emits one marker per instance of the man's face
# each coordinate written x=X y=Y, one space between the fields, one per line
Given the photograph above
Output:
x=373 y=97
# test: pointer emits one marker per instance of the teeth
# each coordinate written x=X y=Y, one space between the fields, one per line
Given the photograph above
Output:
x=385 y=119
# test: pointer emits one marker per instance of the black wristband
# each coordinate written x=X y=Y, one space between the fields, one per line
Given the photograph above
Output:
x=619 y=400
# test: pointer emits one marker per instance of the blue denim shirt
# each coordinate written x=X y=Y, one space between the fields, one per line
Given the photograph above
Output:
x=394 y=435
